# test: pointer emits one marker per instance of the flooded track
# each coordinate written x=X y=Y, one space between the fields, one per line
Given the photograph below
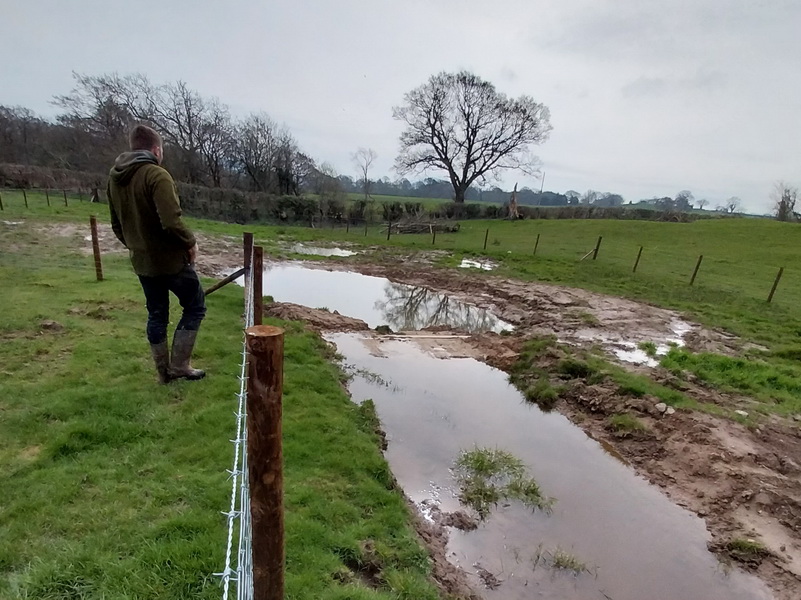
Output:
x=634 y=543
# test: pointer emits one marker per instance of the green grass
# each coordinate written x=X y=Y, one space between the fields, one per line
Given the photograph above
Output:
x=542 y=393
x=486 y=476
x=626 y=423
x=776 y=384
x=113 y=485
x=746 y=549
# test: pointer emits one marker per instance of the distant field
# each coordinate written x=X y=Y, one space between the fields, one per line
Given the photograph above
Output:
x=741 y=259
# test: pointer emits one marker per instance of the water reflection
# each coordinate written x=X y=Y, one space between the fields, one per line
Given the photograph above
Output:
x=411 y=308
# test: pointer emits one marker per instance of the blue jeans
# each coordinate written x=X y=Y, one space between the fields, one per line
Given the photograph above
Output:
x=186 y=287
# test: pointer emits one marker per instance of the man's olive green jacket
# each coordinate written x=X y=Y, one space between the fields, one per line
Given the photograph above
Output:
x=146 y=214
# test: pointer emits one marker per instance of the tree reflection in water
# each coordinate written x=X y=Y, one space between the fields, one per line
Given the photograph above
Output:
x=411 y=308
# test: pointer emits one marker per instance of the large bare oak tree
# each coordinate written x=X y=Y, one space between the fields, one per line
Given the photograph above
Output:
x=460 y=124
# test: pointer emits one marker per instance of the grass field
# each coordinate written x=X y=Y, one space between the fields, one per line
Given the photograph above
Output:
x=113 y=486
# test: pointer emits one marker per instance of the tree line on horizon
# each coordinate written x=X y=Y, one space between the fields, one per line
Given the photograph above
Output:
x=209 y=147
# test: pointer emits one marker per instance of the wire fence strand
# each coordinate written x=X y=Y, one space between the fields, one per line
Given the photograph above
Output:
x=238 y=516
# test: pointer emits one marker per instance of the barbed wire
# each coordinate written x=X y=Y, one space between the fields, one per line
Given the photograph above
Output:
x=239 y=514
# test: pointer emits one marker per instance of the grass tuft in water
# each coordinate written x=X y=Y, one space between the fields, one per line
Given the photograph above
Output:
x=486 y=476
x=575 y=368
x=648 y=347
x=543 y=394
x=747 y=548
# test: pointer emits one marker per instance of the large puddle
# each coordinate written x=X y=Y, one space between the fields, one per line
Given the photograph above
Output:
x=375 y=300
x=634 y=542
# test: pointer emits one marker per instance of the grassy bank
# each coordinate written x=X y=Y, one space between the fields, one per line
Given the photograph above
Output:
x=113 y=485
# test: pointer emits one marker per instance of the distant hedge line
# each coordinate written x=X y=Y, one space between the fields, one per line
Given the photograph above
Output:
x=236 y=206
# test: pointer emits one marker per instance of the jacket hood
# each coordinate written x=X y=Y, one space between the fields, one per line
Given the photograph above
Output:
x=129 y=163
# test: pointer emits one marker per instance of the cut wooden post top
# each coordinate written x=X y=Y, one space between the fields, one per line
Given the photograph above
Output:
x=262 y=334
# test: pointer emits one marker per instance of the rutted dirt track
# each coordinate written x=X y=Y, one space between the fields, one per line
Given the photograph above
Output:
x=746 y=483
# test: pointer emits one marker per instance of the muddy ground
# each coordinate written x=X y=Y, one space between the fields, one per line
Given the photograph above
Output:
x=745 y=482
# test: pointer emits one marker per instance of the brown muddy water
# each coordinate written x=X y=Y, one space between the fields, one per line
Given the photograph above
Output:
x=375 y=300
x=636 y=544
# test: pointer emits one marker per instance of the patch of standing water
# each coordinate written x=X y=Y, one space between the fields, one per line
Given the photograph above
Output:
x=484 y=265
x=634 y=540
x=631 y=352
x=375 y=300
x=317 y=251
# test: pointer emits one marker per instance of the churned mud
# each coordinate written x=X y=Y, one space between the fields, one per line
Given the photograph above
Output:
x=745 y=482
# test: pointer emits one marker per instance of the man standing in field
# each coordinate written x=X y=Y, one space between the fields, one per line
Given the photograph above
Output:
x=146 y=218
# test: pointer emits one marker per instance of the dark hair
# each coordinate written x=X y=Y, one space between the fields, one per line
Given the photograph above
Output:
x=144 y=138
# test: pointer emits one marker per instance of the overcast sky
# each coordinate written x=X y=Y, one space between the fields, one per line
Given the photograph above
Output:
x=647 y=97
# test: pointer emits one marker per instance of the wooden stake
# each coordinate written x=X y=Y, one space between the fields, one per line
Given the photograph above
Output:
x=247 y=248
x=1 y=202
x=265 y=459
x=536 y=244
x=347 y=226
x=65 y=197
x=486 y=237
x=637 y=262
x=365 y=229
x=258 y=291
x=389 y=229
x=47 y=195
x=775 y=284
x=597 y=247
x=25 y=196
x=96 y=248
x=697 y=266
x=433 y=235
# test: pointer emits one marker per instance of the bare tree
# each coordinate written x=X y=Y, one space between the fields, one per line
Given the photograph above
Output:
x=459 y=123
x=732 y=205
x=785 y=197
x=363 y=158
x=702 y=203
x=590 y=197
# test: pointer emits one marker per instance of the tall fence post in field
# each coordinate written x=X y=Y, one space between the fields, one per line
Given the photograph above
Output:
x=265 y=459
x=47 y=195
x=247 y=248
x=433 y=235
x=389 y=229
x=697 y=266
x=486 y=237
x=24 y=196
x=536 y=244
x=597 y=247
x=96 y=248
x=347 y=226
x=637 y=262
x=65 y=197
x=258 y=292
x=775 y=284
x=1 y=202
x=80 y=194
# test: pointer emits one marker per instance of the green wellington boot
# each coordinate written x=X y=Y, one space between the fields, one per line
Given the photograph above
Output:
x=183 y=342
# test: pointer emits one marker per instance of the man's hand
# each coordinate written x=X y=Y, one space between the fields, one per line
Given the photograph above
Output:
x=192 y=254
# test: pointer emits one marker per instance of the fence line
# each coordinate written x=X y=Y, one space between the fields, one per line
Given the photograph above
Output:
x=239 y=514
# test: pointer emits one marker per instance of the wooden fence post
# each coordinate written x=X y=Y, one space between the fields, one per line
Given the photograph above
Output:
x=24 y=196
x=597 y=247
x=389 y=229
x=637 y=262
x=1 y=202
x=65 y=197
x=80 y=194
x=697 y=266
x=347 y=226
x=265 y=459
x=258 y=285
x=47 y=195
x=486 y=237
x=775 y=284
x=247 y=248
x=365 y=228
x=433 y=235
x=96 y=248
x=536 y=244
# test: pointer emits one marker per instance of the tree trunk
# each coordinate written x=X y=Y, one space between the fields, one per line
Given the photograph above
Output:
x=459 y=195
